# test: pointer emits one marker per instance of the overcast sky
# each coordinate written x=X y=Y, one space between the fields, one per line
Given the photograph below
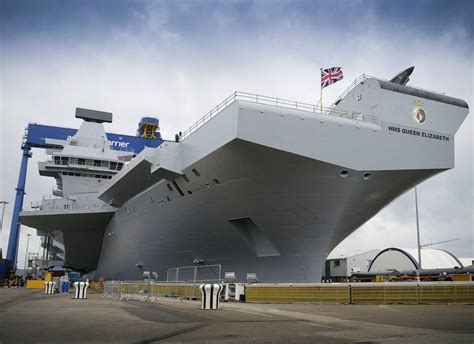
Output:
x=178 y=59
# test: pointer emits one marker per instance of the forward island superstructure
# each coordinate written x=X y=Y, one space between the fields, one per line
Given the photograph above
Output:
x=73 y=219
x=268 y=186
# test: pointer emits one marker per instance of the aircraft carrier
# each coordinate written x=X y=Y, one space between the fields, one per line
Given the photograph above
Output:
x=259 y=185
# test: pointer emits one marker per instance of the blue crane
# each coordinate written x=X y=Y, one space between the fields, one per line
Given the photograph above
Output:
x=35 y=137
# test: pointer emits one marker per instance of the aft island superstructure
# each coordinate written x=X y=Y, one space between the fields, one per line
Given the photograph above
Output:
x=268 y=186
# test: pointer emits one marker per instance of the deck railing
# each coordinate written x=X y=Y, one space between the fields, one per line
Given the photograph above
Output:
x=349 y=88
x=289 y=104
x=281 y=103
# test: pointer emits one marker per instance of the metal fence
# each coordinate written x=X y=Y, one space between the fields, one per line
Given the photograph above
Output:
x=112 y=290
x=150 y=291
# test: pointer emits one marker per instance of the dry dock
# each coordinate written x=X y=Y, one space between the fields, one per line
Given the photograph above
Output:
x=29 y=316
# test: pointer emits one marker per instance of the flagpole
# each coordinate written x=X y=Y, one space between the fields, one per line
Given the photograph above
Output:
x=321 y=95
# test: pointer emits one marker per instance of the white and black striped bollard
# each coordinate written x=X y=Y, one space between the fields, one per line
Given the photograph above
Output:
x=49 y=287
x=210 y=295
x=80 y=290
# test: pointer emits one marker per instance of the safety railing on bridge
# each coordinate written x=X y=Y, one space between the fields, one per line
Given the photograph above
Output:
x=54 y=204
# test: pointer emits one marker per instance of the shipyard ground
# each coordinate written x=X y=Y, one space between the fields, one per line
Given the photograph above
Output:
x=29 y=316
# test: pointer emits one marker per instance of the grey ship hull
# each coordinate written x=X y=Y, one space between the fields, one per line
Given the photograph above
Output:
x=270 y=188
x=299 y=210
x=274 y=189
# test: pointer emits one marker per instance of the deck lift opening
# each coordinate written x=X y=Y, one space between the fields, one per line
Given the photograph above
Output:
x=35 y=137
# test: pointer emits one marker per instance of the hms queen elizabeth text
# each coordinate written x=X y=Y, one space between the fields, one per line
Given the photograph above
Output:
x=417 y=132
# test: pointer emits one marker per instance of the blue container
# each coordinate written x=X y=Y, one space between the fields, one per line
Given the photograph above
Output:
x=64 y=287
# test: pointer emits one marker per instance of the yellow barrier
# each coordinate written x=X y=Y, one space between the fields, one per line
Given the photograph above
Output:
x=327 y=294
x=462 y=277
x=98 y=286
x=447 y=294
x=35 y=284
x=364 y=293
x=385 y=294
x=171 y=289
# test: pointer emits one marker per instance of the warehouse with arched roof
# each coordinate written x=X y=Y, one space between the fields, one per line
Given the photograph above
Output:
x=401 y=259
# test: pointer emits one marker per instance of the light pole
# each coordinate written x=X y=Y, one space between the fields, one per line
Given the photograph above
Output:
x=3 y=213
x=1 y=219
x=417 y=228
x=26 y=255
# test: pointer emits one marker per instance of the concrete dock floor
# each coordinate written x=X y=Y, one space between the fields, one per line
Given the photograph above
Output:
x=29 y=316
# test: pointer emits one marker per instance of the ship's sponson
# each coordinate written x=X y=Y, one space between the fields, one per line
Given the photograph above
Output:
x=374 y=127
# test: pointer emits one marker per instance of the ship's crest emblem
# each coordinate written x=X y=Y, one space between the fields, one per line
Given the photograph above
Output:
x=418 y=112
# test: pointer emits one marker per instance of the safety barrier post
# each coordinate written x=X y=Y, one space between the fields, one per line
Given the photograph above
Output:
x=80 y=291
x=210 y=295
x=49 y=287
x=151 y=296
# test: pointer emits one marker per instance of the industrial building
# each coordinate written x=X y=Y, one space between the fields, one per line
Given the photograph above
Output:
x=344 y=266
x=341 y=267
x=467 y=261
x=403 y=259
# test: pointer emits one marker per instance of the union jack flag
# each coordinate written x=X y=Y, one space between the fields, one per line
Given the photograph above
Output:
x=330 y=76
